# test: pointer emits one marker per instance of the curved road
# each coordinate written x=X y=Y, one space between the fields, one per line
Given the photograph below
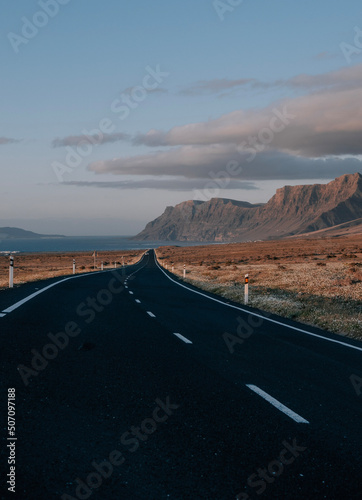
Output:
x=131 y=385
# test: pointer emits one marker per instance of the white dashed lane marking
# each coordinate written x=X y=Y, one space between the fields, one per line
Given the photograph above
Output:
x=184 y=339
x=277 y=404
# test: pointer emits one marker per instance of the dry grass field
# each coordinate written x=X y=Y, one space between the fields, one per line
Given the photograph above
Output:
x=38 y=266
x=314 y=281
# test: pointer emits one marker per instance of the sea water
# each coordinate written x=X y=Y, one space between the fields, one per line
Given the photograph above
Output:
x=83 y=244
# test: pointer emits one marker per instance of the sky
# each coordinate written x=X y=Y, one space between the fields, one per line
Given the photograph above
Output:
x=111 y=111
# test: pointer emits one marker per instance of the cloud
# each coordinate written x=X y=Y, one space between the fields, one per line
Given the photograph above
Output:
x=77 y=140
x=322 y=123
x=7 y=140
x=178 y=184
x=188 y=161
x=342 y=79
x=160 y=90
x=313 y=136
x=350 y=77
x=214 y=86
x=206 y=162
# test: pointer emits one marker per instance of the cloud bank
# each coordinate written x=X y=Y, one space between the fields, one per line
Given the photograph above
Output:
x=206 y=162
x=78 y=140
x=339 y=79
x=320 y=124
x=181 y=184
x=312 y=136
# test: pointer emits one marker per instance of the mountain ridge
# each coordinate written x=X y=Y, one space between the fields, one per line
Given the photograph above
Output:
x=291 y=211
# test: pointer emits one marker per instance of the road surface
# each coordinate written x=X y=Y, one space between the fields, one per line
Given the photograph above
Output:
x=130 y=385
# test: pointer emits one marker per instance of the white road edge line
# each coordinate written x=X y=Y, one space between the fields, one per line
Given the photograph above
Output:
x=187 y=341
x=2 y=315
x=23 y=301
x=131 y=293
x=258 y=315
x=151 y=314
x=138 y=301
x=277 y=404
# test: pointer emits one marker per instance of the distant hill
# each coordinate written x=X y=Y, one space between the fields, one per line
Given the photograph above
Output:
x=291 y=211
x=11 y=233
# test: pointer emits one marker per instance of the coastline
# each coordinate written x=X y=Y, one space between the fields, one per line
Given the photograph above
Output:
x=81 y=244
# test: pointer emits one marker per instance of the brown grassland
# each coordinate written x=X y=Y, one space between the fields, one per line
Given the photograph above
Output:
x=315 y=281
x=38 y=266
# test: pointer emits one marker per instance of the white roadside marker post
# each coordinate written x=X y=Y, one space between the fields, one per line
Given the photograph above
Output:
x=184 y=271
x=102 y=266
x=11 y=272
x=73 y=266
x=172 y=267
x=115 y=265
x=246 y=294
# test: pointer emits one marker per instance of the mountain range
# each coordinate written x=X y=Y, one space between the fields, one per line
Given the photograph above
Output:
x=293 y=210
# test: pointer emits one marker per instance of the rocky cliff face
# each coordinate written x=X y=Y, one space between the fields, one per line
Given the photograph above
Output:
x=292 y=210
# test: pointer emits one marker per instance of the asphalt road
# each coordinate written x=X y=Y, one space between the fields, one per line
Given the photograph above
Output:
x=131 y=386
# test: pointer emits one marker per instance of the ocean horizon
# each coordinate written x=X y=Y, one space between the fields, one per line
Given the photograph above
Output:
x=83 y=244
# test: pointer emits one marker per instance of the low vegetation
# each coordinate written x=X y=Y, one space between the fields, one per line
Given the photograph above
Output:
x=314 y=281
x=38 y=266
